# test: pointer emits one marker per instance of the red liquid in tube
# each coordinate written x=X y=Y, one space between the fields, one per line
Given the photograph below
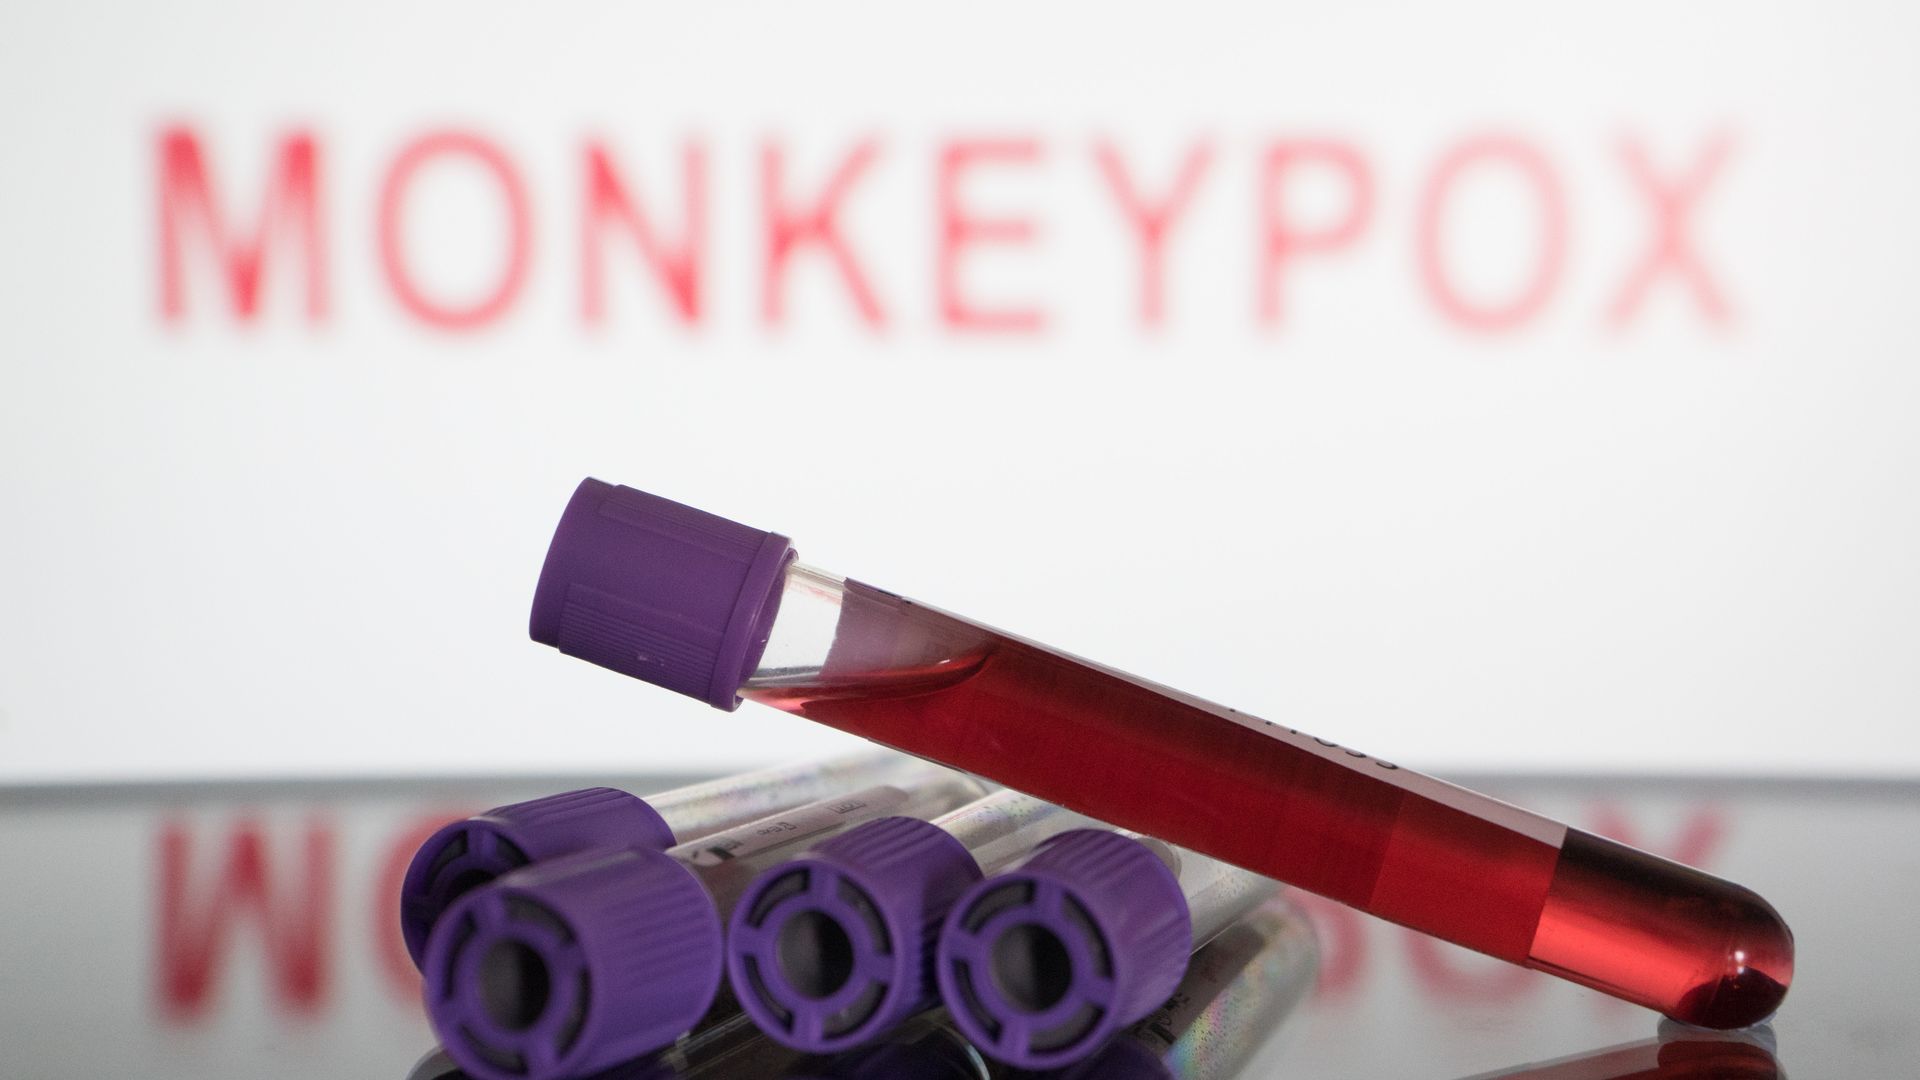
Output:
x=1405 y=847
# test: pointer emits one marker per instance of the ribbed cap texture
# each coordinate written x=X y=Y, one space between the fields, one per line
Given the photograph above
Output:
x=1120 y=922
x=1137 y=903
x=888 y=884
x=659 y=591
x=466 y=854
x=575 y=821
x=634 y=963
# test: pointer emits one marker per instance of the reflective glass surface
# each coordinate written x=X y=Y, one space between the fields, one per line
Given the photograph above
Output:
x=248 y=930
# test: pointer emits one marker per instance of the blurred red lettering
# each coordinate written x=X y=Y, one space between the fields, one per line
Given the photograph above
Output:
x=1282 y=238
x=290 y=207
x=1453 y=973
x=1315 y=200
x=816 y=225
x=1671 y=204
x=676 y=264
x=1697 y=841
x=1538 y=285
x=398 y=967
x=294 y=919
x=1152 y=218
x=960 y=230
x=454 y=315
x=1342 y=935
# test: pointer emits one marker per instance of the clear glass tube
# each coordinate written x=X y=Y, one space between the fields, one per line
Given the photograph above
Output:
x=1237 y=991
x=727 y=862
x=1218 y=894
x=1272 y=799
x=1005 y=825
x=698 y=810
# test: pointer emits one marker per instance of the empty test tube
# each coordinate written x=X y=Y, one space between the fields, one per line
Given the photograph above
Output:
x=577 y=963
x=1041 y=964
x=466 y=854
x=720 y=611
x=831 y=950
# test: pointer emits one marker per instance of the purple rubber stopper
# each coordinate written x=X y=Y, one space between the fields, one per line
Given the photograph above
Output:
x=1042 y=964
x=665 y=593
x=831 y=950
x=465 y=855
x=572 y=966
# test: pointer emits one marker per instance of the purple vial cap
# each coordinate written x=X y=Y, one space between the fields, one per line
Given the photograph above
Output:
x=1041 y=965
x=665 y=593
x=465 y=855
x=572 y=966
x=831 y=950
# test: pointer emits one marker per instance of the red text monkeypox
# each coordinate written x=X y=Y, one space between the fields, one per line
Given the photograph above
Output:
x=281 y=897
x=221 y=235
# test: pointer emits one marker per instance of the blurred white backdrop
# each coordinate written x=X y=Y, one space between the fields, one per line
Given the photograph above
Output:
x=1580 y=439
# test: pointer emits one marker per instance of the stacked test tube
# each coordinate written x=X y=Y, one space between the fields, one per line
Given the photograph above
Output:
x=591 y=930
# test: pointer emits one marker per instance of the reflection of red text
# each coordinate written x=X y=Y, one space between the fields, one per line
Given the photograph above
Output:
x=1319 y=209
x=395 y=965
x=1449 y=973
x=205 y=898
x=250 y=890
x=1696 y=842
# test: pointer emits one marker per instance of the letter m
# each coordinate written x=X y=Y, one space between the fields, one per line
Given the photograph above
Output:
x=196 y=925
x=289 y=210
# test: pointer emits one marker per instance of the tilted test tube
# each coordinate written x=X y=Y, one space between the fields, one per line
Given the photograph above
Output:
x=465 y=854
x=1044 y=962
x=714 y=609
x=577 y=963
x=831 y=950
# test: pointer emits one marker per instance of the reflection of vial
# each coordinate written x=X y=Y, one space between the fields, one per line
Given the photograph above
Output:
x=465 y=855
x=568 y=966
x=1041 y=964
x=719 y=611
x=1678 y=1054
x=830 y=951
x=727 y=1049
